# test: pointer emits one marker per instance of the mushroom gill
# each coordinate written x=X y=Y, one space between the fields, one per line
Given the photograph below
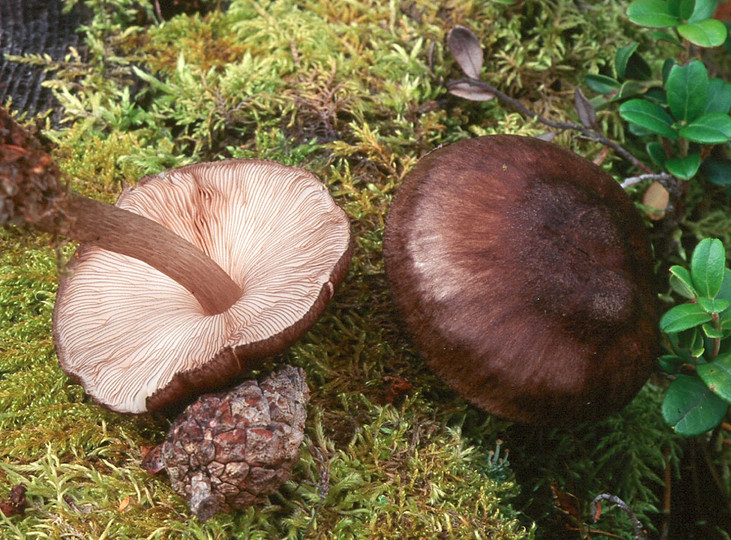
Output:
x=137 y=340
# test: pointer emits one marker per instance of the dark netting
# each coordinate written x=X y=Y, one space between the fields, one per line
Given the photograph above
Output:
x=33 y=26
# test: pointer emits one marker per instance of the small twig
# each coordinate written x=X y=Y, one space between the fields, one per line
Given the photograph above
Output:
x=712 y=467
x=636 y=524
x=323 y=485
x=158 y=11
x=660 y=177
x=667 y=496
x=562 y=126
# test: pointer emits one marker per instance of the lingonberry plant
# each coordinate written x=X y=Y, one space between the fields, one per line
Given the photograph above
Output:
x=682 y=116
x=697 y=337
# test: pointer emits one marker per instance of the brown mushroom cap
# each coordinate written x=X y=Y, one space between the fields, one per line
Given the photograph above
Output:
x=138 y=341
x=524 y=275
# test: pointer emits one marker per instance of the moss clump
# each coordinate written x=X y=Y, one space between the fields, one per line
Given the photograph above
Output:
x=353 y=90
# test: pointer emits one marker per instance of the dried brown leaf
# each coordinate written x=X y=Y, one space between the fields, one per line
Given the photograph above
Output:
x=468 y=89
x=548 y=136
x=466 y=50
x=123 y=504
x=586 y=111
x=15 y=504
x=152 y=459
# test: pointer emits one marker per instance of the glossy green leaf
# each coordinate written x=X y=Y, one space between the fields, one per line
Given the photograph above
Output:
x=601 y=84
x=670 y=363
x=649 y=116
x=639 y=131
x=629 y=64
x=657 y=153
x=656 y=95
x=679 y=349
x=681 y=282
x=678 y=7
x=661 y=35
x=717 y=375
x=717 y=172
x=691 y=408
x=621 y=57
x=629 y=89
x=651 y=13
x=705 y=33
x=702 y=9
x=683 y=317
x=680 y=288
x=687 y=90
x=712 y=128
x=685 y=167
x=667 y=65
x=713 y=305
x=707 y=266
x=696 y=348
x=712 y=332
x=719 y=96
x=725 y=292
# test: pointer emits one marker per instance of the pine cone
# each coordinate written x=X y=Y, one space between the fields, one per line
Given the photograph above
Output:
x=230 y=450
x=31 y=188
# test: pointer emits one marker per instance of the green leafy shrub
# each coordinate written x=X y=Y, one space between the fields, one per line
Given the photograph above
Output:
x=697 y=335
x=682 y=115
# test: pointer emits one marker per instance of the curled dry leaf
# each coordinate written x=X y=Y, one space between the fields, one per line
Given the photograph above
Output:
x=548 y=136
x=656 y=200
x=585 y=109
x=597 y=512
x=152 y=459
x=124 y=504
x=396 y=388
x=469 y=89
x=466 y=49
x=15 y=504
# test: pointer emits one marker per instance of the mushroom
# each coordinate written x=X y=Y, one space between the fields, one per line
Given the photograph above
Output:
x=194 y=277
x=137 y=340
x=524 y=275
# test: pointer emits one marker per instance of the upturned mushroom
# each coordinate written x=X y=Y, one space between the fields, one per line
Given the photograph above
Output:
x=524 y=275
x=193 y=278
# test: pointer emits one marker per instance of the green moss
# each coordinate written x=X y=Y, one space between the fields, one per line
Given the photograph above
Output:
x=404 y=476
x=624 y=454
x=353 y=90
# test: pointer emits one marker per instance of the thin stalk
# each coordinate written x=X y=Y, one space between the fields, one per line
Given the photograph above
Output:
x=32 y=194
x=127 y=233
x=562 y=126
x=716 y=341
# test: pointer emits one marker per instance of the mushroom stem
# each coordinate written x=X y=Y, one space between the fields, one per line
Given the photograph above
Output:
x=32 y=194
x=125 y=232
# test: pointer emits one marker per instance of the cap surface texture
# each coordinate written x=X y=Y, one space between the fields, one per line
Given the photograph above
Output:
x=524 y=275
